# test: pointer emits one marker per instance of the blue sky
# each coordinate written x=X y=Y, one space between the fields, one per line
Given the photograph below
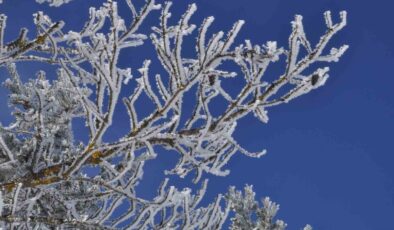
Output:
x=330 y=156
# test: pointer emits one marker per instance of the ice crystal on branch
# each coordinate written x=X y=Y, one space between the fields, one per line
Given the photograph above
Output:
x=247 y=209
x=54 y=2
x=249 y=214
x=43 y=167
x=51 y=2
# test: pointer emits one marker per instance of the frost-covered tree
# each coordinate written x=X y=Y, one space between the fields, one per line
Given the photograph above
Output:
x=43 y=168
x=248 y=214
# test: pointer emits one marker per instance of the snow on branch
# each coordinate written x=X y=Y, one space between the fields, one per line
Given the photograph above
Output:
x=251 y=214
x=55 y=3
x=43 y=177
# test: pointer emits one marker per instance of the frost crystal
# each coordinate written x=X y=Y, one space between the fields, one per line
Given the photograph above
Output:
x=56 y=3
x=45 y=172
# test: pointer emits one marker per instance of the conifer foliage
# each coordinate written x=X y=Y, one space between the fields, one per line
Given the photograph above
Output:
x=43 y=177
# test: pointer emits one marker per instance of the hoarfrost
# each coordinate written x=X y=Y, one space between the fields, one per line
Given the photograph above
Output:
x=43 y=167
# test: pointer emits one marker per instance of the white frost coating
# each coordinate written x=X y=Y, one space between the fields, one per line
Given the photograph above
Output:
x=56 y=3
x=15 y=199
x=245 y=206
x=261 y=114
x=1 y=203
x=43 y=167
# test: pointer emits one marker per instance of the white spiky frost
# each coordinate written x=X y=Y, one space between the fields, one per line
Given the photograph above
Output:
x=47 y=176
x=56 y=3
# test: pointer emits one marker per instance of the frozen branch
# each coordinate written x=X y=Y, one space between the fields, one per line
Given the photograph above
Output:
x=43 y=167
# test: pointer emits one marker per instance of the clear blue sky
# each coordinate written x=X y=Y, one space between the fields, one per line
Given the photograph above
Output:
x=330 y=154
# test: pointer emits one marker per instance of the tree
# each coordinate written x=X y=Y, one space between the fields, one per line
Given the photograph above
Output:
x=43 y=168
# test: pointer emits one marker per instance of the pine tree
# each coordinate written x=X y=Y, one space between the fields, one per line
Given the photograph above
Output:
x=42 y=165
